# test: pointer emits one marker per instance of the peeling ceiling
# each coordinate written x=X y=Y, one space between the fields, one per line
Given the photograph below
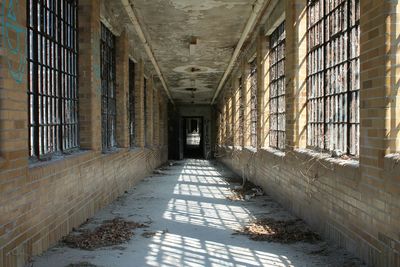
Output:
x=193 y=41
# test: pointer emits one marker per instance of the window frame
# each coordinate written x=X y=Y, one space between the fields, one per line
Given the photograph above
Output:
x=253 y=93
x=52 y=78
x=324 y=125
x=277 y=112
x=145 y=107
x=108 y=89
x=132 y=104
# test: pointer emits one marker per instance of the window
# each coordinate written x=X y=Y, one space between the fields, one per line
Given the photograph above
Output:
x=333 y=75
x=253 y=103
x=52 y=77
x=277 y=90
x=145 y=111
x=108 y=101
x=132 y=77
x=241 y=110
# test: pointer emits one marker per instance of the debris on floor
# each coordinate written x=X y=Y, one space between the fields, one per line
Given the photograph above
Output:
x=81 y=264
x=149 y=234
x=159 y=171
x=245 y=192
x=111 y=232
x=281 y=231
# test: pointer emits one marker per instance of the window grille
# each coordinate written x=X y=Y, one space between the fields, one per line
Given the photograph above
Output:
x=277 y=89
x=132 y=106
x=145 y=111
x=52 y=31
x=108 y=100
x=253 y=103
x=333 y=75
x=241 y=111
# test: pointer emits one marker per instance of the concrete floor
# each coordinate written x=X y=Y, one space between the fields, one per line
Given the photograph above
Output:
x=193 y=221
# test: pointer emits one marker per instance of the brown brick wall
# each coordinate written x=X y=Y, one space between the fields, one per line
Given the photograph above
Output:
x=41 y=202
x=355 y=203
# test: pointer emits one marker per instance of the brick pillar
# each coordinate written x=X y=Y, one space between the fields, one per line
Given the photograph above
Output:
x=235 y=110
x=122 y=90
x=263 y=92
x=149 y=113
x=392 y=15
x=247 y=105
x=139 y=105
x=13 y=131
x=156 y=120
x=161 y=122
x=265 y=120
x=296 y=74
x=373 y=102
x=89 y=75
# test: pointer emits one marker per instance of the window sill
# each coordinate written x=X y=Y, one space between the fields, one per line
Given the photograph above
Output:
x=392 y=164
x=274 y=152
x=307 y=154
x=59 y=159
x=113 y=150
x=251 y=149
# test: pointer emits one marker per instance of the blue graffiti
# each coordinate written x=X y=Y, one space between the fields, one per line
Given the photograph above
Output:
x=15 y=51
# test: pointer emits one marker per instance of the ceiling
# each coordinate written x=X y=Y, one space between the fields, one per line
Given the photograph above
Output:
x=193 y=41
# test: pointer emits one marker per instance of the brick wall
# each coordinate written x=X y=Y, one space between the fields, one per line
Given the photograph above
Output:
x=354 y=203
x=41 y=202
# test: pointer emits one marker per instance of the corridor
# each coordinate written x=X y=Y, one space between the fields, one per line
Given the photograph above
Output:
x=192 y=223
x=300 y=98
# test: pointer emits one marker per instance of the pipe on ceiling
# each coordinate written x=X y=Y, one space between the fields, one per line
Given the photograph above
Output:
x=258 y=7
x=149 y=52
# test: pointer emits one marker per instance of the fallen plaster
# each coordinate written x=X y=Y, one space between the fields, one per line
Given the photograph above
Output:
x=192 y=223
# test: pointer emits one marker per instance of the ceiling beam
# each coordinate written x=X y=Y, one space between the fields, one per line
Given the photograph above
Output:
x=136 y=24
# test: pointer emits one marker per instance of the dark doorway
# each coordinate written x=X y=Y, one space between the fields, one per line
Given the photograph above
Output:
x=193 y=144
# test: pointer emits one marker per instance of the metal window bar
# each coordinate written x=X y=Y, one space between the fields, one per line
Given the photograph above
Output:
x=241 y=111
x=253 y=103
x=333 y=81
x=108 y=95
x=277 y=88
x=145 y=111
x=52 y=30
x=132 y=77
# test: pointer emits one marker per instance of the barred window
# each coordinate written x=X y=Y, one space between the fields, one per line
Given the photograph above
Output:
x=52 y=31
x=253 y=103
x=145 y=111
x=333 y=75
x=132 y=77
x=240 y=110
x=108 y=100
x=277 y=88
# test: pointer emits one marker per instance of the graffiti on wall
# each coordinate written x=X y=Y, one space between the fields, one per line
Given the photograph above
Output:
x=13 y=40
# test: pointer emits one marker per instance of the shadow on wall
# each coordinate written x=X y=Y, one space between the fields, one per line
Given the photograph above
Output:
x=393 y=135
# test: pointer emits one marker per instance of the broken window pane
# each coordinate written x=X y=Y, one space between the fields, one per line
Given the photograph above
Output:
x=333 y=75
x=277 y=87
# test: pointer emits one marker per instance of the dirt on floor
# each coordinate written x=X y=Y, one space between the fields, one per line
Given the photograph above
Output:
x=281 y=231
x=81 y=264
x=245 y=192
x=111 y=232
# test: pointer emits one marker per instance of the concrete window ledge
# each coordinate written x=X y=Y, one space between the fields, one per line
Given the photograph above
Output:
x=347 y=168
x=392 y=164
x=274 y=152
x=250 y=149
x=61 y=162
x=238 y=148
x=114 y=150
